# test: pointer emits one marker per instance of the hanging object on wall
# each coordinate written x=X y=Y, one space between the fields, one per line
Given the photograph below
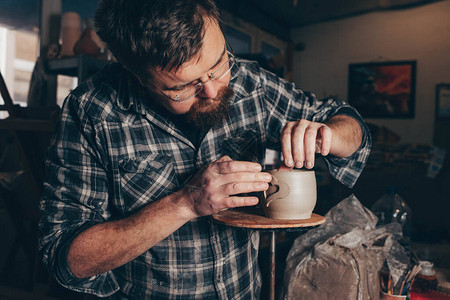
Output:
x=443 y=101
x=383 y=89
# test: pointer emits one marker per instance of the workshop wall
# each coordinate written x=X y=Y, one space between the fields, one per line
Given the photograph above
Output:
x=417 y=33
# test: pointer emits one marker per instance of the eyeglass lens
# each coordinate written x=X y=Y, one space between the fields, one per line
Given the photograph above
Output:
x=217 y=75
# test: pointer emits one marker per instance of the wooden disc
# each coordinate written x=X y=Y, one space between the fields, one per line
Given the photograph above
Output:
x=253 y=217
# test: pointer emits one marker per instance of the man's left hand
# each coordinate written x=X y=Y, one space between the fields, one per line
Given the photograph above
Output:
x=300 y=140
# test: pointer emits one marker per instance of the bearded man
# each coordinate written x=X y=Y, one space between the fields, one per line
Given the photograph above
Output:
x=176 y=131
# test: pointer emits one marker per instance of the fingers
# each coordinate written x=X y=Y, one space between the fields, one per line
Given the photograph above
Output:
x=286 y=144
x=284 y=168
x=309 y=143
x=221 y=183
x=226 y=171
x=225 y=165
x=233 y=194
x=325 y=140
x=242 y=183
x=300 y=140
x=298 y=145
x=246 y=177
x=236 y=188
x=240 y=201
x=224 y=158
x=232 y=202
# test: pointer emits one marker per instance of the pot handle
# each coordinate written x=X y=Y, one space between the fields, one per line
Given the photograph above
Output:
x=282 y=191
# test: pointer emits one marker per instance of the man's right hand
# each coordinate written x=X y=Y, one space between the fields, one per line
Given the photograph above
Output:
x=217 y=186
x=108 y=245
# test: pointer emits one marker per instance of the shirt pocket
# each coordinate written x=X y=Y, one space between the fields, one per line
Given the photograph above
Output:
x=246 y=145
x=145 y=179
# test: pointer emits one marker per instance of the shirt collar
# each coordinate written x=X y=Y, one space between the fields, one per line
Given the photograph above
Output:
x=131 y=93
x=133 y=97
x=242 y=83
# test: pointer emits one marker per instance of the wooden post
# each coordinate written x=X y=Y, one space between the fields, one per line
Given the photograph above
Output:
x=49 y=32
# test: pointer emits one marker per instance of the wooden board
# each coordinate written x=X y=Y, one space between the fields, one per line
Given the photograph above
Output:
x=253 y=217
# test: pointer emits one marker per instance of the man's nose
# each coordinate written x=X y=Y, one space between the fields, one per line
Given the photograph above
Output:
x=210 y=89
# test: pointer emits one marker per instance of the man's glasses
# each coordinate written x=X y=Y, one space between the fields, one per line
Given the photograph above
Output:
x=217 y=75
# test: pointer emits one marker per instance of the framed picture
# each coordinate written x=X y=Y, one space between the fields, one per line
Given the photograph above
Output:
x=443 y=101
x=383 y=89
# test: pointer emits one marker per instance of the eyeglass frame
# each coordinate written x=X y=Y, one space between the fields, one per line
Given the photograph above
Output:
x=211 y=76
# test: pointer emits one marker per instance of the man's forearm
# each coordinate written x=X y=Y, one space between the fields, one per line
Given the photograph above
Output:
x=109 y=245
x=106 y=246
x=347 y=135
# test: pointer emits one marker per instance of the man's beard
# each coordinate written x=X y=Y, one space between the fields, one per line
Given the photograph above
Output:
x=205 y=117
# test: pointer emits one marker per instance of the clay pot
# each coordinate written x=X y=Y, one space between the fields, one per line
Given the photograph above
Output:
x=70 y=32
x=291 y=195
x=86 y=44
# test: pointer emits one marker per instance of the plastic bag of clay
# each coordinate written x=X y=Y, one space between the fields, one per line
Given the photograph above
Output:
x=342 y=258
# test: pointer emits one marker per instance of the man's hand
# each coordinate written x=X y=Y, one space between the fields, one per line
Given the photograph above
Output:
x=300 y=140
x=218 y=186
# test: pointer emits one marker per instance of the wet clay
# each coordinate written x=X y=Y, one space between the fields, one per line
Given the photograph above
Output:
x=291 y=195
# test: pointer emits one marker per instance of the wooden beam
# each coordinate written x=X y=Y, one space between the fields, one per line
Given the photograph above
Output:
x=49 y=32
x=49 y=24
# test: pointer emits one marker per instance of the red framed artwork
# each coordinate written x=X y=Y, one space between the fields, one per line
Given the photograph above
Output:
x=383 y=89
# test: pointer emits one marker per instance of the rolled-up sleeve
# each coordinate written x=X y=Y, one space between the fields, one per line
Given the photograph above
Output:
x=75 y=196
x=348 y=169
x=285 y=103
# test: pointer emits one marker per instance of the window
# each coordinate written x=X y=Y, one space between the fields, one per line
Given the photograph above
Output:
x=269 y=51
x=18 y=53
x=252 y=43
x=274 y=57
x=239 y=41
x=19 y=50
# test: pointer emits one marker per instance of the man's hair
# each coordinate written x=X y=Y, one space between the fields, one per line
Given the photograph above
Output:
x=142 y=34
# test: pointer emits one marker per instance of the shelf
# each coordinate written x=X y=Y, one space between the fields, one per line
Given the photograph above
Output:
x=27 y=125
x=81 y=66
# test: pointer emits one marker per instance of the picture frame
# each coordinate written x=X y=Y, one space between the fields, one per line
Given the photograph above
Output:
x=383 y=89
x=443 y=101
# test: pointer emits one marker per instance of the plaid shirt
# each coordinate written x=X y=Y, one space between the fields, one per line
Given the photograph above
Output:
x=112 y=155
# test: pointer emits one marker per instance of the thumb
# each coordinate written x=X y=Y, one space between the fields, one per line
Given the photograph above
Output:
x=224 y=158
